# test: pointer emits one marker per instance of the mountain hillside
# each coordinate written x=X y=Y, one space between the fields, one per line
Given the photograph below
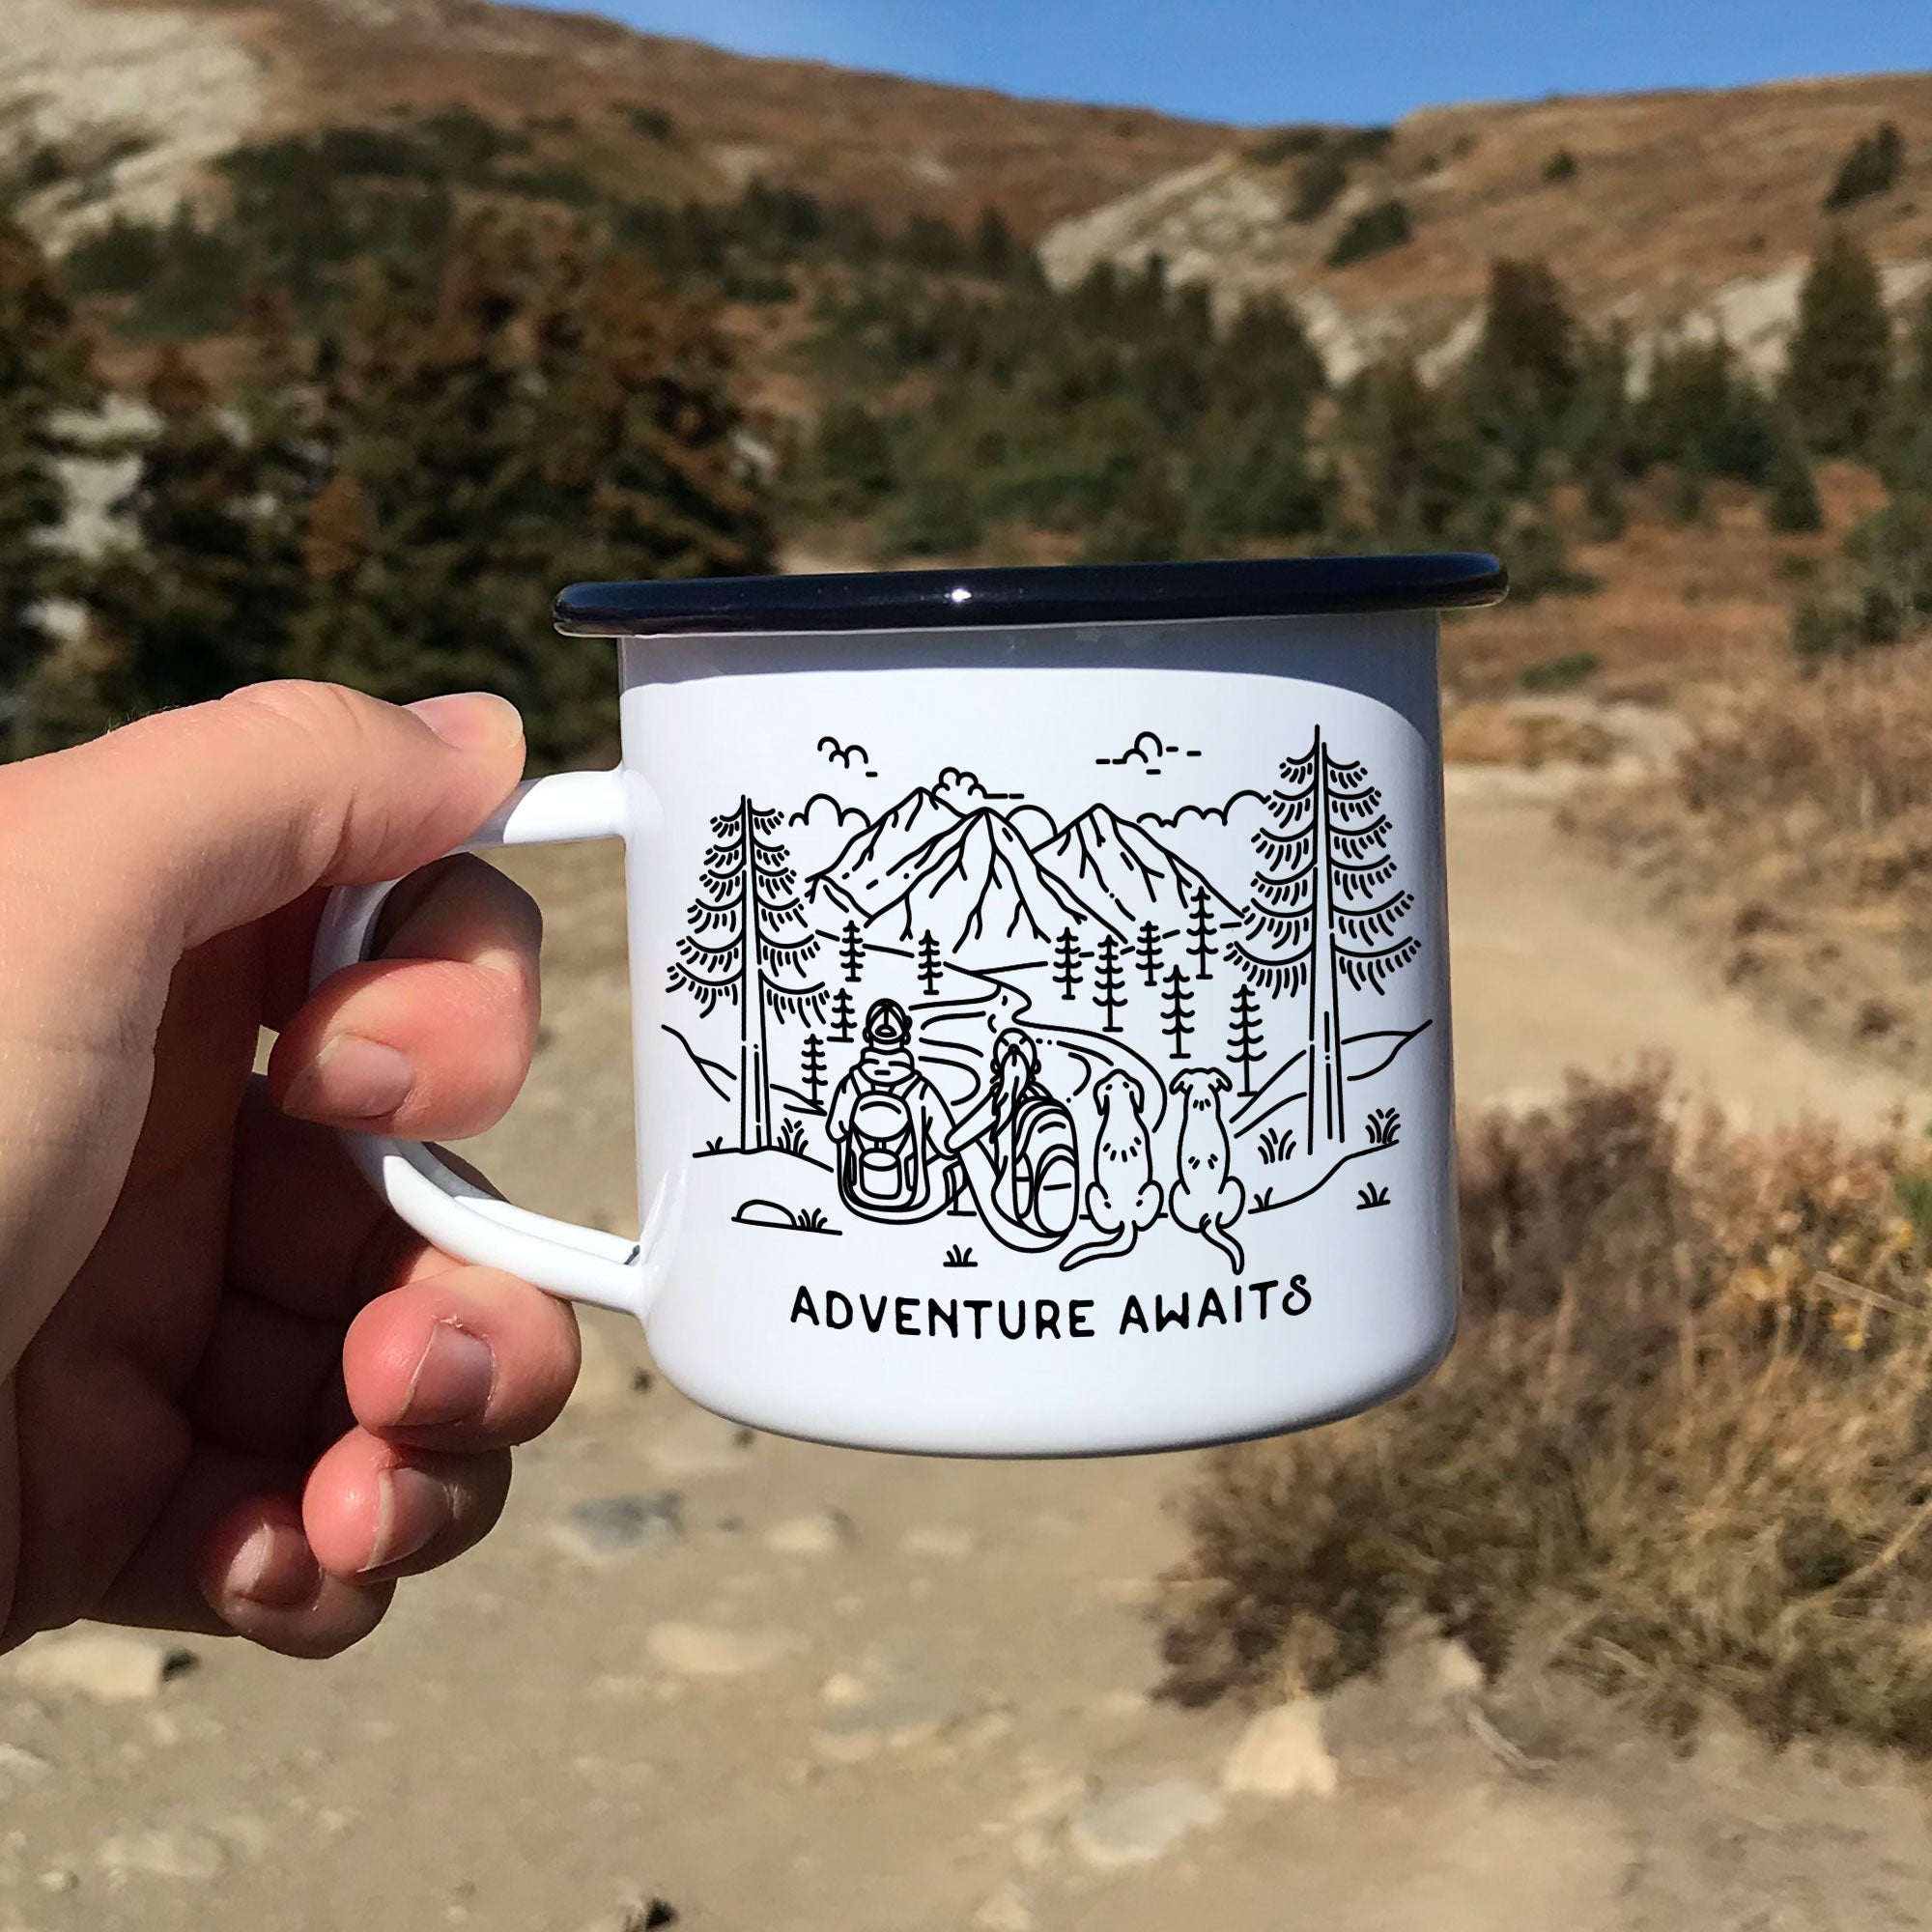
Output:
x=1693 y=210
x=229 y=67
x=1662 y=209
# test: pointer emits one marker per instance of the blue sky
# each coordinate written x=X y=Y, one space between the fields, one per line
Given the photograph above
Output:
x=1372 y=60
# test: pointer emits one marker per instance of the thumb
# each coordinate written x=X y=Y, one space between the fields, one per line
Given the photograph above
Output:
x=208 y=818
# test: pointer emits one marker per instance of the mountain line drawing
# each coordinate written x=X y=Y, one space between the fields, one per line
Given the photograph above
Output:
x=972 y=879
x=976 y=882
x=1126 y=874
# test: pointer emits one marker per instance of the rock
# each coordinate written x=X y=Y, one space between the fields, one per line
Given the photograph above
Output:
x=180 y=1855
x=698 y=1444
x=821 y=1533
x=940 y=1539
x=1050 y=1798
x=20 y=1768
x=1282 y=1754
x=1005 y=1910
x=606 y=1528
x=1140 y=1823
x=703 y=1649
x=58 y=1879
x=892 y=1722
x=634 y=1915
x=111 y=1666
x=1454 y=1671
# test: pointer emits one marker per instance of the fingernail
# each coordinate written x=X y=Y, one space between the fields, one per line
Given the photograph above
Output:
x=351 y=1079
x=472 y=720
x=452 y=1380
x=410 y=1507
x=275 y=1568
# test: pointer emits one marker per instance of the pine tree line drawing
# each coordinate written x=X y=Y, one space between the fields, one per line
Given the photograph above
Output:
x=1325 y=909
x=749 y=943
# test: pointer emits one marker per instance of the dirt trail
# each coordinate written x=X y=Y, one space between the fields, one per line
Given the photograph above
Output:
x=786 y=1689
x=1555 y=964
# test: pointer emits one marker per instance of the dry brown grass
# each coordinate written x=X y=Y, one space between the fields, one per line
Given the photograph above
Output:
x=1683 y=1447
x=1795 y=834
x=1488 y=732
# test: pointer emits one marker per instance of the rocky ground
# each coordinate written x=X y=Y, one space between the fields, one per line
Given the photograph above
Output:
x=710 y=1679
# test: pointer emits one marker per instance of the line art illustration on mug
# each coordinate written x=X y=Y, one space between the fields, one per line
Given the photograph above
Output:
x=1055 y=1035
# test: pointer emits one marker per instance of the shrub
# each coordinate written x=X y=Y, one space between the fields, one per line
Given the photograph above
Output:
x=1562 y=166
x=1317 y=183
x=1871 y=167
x=1791 y=500
x=1563 y=672
x=1881 y=591
x=1375 y=231
x=1680 y=1438
x=1287 y=144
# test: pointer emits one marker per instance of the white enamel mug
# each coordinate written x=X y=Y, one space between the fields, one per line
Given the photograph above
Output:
x=1039 y=999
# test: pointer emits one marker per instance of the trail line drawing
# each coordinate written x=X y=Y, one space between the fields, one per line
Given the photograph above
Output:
x=1322 y=913
x=749 y=944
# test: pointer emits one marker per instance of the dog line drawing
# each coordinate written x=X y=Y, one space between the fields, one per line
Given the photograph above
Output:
x=1207 y=1198
x=1123 y=1197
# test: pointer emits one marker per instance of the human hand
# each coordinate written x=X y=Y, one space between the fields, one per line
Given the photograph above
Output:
x=236 y=1392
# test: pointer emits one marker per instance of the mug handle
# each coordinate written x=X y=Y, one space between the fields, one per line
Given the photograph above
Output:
x=581 y=1264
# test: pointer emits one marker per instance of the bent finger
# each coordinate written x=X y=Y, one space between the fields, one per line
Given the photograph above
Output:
x=434 y=1037
x=373 y=1511
x=461 y=1358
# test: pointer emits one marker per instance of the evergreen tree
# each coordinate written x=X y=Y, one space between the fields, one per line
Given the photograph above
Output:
x=811 y=1068
x=844 y=1016
x=1201 y=933
x=1907 y=455
x=1108 y=984
x=499 y=422
x=1146 y=952
x=1178 y=1012
x=851 y=951
x=45 y=372
x=749 y=944
x=1791 y=500
x=1839 y=368
x=1526 y=367
x=928 y=964
x=205 y=595
x=1327 y=909
x=1244 y=1035
x=1066 y=963
x=1871 y=167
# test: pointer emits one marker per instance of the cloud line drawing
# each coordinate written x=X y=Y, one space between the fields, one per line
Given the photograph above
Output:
x=843 y=756
x=1146 y=750
x=1217 y=814
x=842 y=813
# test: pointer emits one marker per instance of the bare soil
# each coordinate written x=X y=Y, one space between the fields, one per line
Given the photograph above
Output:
x=828 y=1691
